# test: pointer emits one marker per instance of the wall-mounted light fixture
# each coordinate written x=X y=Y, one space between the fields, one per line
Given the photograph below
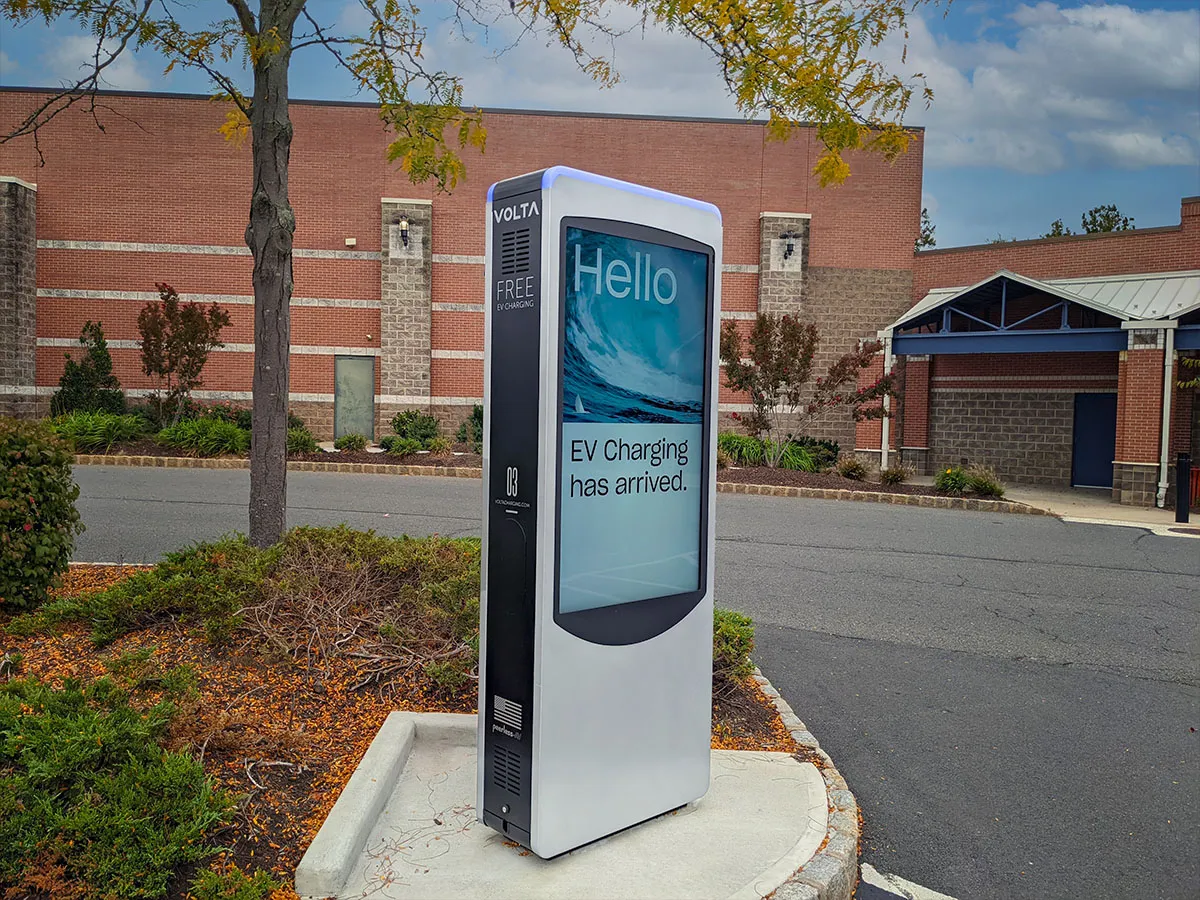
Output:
x=404 y=230
x=351 y=242
x=790 y=247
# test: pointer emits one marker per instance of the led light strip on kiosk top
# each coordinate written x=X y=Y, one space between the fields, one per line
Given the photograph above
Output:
x=599 y=477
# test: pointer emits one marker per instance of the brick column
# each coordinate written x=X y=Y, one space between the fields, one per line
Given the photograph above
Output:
x=1139 y=419
x=18 y=297
x=914 y=409
x=406 y=310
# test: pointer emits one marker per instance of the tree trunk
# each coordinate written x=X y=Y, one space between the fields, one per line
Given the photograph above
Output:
x=269 y=236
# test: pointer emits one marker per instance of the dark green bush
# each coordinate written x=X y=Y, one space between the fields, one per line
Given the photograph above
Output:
x=351 y=442
x=206 y=437
x=38 y=519
x=952 y=481
x=97 y=430
x=85 y=785
x=89 y=385
x=471 y=430
x=824 y=453
x=733 y=642
x=982 y=481
x=894 y=474
x=852 y=467
x=300 y=440
x=415 y=426
x=206 y=584
x=398 y=446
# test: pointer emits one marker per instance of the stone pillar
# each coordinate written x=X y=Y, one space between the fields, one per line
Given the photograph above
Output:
x=1139 y=418
x=780 y=272
x=18 y=297
x=914 y=409
x=406 y=311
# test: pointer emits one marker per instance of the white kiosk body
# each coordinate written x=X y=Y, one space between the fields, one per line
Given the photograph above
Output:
x=599 y=475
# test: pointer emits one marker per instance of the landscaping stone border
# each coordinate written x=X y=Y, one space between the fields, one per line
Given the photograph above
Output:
x=832 y=873
x=724 y=487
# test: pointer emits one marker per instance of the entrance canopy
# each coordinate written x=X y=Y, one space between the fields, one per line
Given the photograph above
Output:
x=1010 y=313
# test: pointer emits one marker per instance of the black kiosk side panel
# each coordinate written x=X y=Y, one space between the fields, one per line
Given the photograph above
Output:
x=515 y=297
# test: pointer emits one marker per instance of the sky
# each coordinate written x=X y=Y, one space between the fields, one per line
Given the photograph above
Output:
x=1041 y=110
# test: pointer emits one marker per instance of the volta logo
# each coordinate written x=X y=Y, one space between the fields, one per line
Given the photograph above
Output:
x=517 y=211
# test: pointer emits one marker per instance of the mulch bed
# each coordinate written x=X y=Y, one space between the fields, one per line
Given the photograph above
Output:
x=826 y=480
x=467 y=460
x=286 y=738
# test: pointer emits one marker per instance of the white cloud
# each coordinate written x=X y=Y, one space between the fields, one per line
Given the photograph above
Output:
x=1103 y=86
x=660 y=73
x=73 y=57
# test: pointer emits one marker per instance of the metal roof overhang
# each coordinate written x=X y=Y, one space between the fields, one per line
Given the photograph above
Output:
x=1075 y=340
x=1116 y=298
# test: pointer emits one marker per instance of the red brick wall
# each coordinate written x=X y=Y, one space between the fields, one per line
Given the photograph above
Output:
x=160 y=173
x=1173 y=248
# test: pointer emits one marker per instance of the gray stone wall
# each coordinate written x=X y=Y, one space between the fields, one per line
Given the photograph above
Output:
x=406 y=302
x=1136 y=484
x=1024 y=435
x=845 y=304
x=18 y=298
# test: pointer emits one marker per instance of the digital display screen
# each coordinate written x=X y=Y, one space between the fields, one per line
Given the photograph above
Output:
x=633 y=384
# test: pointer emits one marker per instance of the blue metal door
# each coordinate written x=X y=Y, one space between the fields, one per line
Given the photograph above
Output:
x=1095 y=441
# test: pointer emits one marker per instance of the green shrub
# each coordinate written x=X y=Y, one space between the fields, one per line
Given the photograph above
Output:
x=983 y=482
x=398 y=446
x=824 y=453
x=97 y=430
x=852 y=467
x=798 y=457
x=300 y=440
x=439 y=446
x=233 y=884
x=722 y=459
x=952 y=481
x=415 y=426
x=38 y=519
x=471 y=430
x=89 y=385
x=206 y=437
x=85 y=785
x=733 y=642
x=895 y=474
x=351 y=442
x=206 y=584
x=742 y=449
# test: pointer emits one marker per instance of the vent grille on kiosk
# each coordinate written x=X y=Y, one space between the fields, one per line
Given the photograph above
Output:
x=506 y=769
x=514 y=252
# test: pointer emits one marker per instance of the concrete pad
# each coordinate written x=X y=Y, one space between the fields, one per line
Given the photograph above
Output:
x=764 y=816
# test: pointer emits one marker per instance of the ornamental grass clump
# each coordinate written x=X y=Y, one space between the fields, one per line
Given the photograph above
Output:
x=851 y=467
x=351 y=442
x=38 y=519
x=206 y=437
x=982 y=481
x=895 y=474
x=97 y=430
x=301 y=440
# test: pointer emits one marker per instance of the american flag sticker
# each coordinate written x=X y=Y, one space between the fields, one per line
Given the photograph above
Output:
x=506 y=712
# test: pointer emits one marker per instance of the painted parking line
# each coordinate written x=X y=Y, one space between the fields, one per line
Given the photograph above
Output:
x=1191 y=530
x=876 y=885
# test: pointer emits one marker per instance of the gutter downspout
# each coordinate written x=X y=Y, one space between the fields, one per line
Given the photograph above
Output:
x=885 y=431
x=1168 y=390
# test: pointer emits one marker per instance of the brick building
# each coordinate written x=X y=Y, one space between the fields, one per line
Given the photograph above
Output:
x=1052 y=360
x=90 y=226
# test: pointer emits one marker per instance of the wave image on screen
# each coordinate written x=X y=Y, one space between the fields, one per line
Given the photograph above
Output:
x=634 y=348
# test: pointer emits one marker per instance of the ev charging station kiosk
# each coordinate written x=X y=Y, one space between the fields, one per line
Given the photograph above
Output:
x=599 y=475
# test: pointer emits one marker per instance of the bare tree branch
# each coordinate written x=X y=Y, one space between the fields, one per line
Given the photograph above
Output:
x=245 y=16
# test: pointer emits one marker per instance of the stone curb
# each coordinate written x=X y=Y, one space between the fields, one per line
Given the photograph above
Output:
x=832 y=873
x=922 y=500
x=189 y=462
x=723 y=487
